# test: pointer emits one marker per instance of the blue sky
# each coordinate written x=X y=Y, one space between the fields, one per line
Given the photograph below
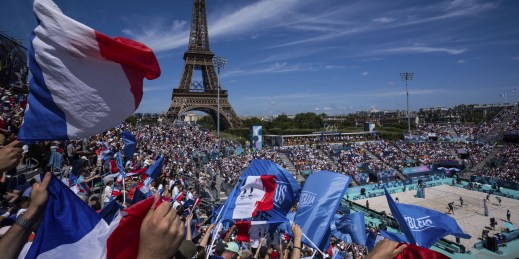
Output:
x=332 y=56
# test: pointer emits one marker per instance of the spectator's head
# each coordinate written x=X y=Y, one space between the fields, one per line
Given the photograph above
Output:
x=94 y=203
x=232 y=250
x=219 y=248
x=246 y=254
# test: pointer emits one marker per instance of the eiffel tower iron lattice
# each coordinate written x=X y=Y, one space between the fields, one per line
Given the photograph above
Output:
x=201 y=96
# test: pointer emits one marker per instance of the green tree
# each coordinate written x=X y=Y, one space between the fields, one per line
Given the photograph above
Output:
x=131 y=120
x=207 y=122
x=282 y=122
x=308 y=120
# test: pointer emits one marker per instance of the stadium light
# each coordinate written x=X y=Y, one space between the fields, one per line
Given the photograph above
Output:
x=219 y=62
x=407 y=76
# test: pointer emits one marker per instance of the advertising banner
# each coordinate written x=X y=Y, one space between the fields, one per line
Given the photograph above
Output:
x=256 y=137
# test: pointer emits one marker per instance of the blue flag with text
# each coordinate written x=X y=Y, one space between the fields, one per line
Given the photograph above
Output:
x=319 y=200
x=422 y=226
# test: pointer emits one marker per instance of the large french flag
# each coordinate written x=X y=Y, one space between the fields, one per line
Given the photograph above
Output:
x=257 y=194
x=71 y=229
x=83 y=82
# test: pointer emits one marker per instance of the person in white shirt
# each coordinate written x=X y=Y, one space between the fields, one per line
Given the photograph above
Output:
x=176 y=189
x=191 y=193
x=171 y=183
x=107 y=193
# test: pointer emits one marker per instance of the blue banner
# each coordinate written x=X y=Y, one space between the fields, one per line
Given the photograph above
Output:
x=386 y=176
x=419 y=170
x=256 y=138
x=422 y=226
x=354 y=225
x=322 y=193
x=130 y=144
x=362 y=178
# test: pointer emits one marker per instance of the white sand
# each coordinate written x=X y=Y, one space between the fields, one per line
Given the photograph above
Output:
x=471 y=217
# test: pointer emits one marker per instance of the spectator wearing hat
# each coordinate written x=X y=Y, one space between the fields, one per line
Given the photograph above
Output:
x=232 y=250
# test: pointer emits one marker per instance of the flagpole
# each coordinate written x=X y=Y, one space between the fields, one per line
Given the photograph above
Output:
x=124 y=191
x=312 y=244
x=217 y=229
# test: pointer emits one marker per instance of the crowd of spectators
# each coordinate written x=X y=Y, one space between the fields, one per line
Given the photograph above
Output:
x=466 y=132
x=306 y=158
x=12 y=106
x=504 y=166
x=492 y=130
x=440 y=131
x=389 y=154
x=356 y=155
x=513 y=124
x=325 y=139
x=426 y=153
x=201 y=166
x=187 y=166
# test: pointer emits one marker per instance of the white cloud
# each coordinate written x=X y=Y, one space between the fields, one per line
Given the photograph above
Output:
x=391 y=83
x=163 y=36
x=384 y=20
x=423 y=49
x=365 y=73
x=338 y=67
x=461 y=61
x=160 y=36
x=278 y=67
x=327 y=108
x=372 y=59
x=516 y=58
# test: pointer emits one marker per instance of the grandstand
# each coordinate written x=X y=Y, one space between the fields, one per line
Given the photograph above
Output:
x=13 y=63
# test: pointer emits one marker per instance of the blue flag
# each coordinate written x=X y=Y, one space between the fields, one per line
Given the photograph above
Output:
x=354 y=225
x=342 y=236
x=138 y=196
x=130 y=144
x=110 y=210
x=286 y=227
x=287 y=189
x=422 y=226
x=67 y=220
x=119 y=163
x=154 y=171
x=319 y=200
x=371 y=240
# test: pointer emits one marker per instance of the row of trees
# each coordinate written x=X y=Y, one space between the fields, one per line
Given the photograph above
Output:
x=309 y=121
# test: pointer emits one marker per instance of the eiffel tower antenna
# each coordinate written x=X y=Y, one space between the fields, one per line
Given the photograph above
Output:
x=206 y=96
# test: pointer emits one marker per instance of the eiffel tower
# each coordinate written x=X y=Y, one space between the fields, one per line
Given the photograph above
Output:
x=201 y=96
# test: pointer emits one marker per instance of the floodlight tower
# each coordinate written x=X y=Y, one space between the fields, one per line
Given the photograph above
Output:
x=220 y=63
x=407 y=76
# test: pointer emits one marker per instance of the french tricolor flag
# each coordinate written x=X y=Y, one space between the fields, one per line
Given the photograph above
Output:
x=83 y=82
x=248 y=230
x=71 y=229
x=257 y=194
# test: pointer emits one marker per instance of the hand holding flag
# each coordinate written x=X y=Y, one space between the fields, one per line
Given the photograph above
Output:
x=162 y=232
